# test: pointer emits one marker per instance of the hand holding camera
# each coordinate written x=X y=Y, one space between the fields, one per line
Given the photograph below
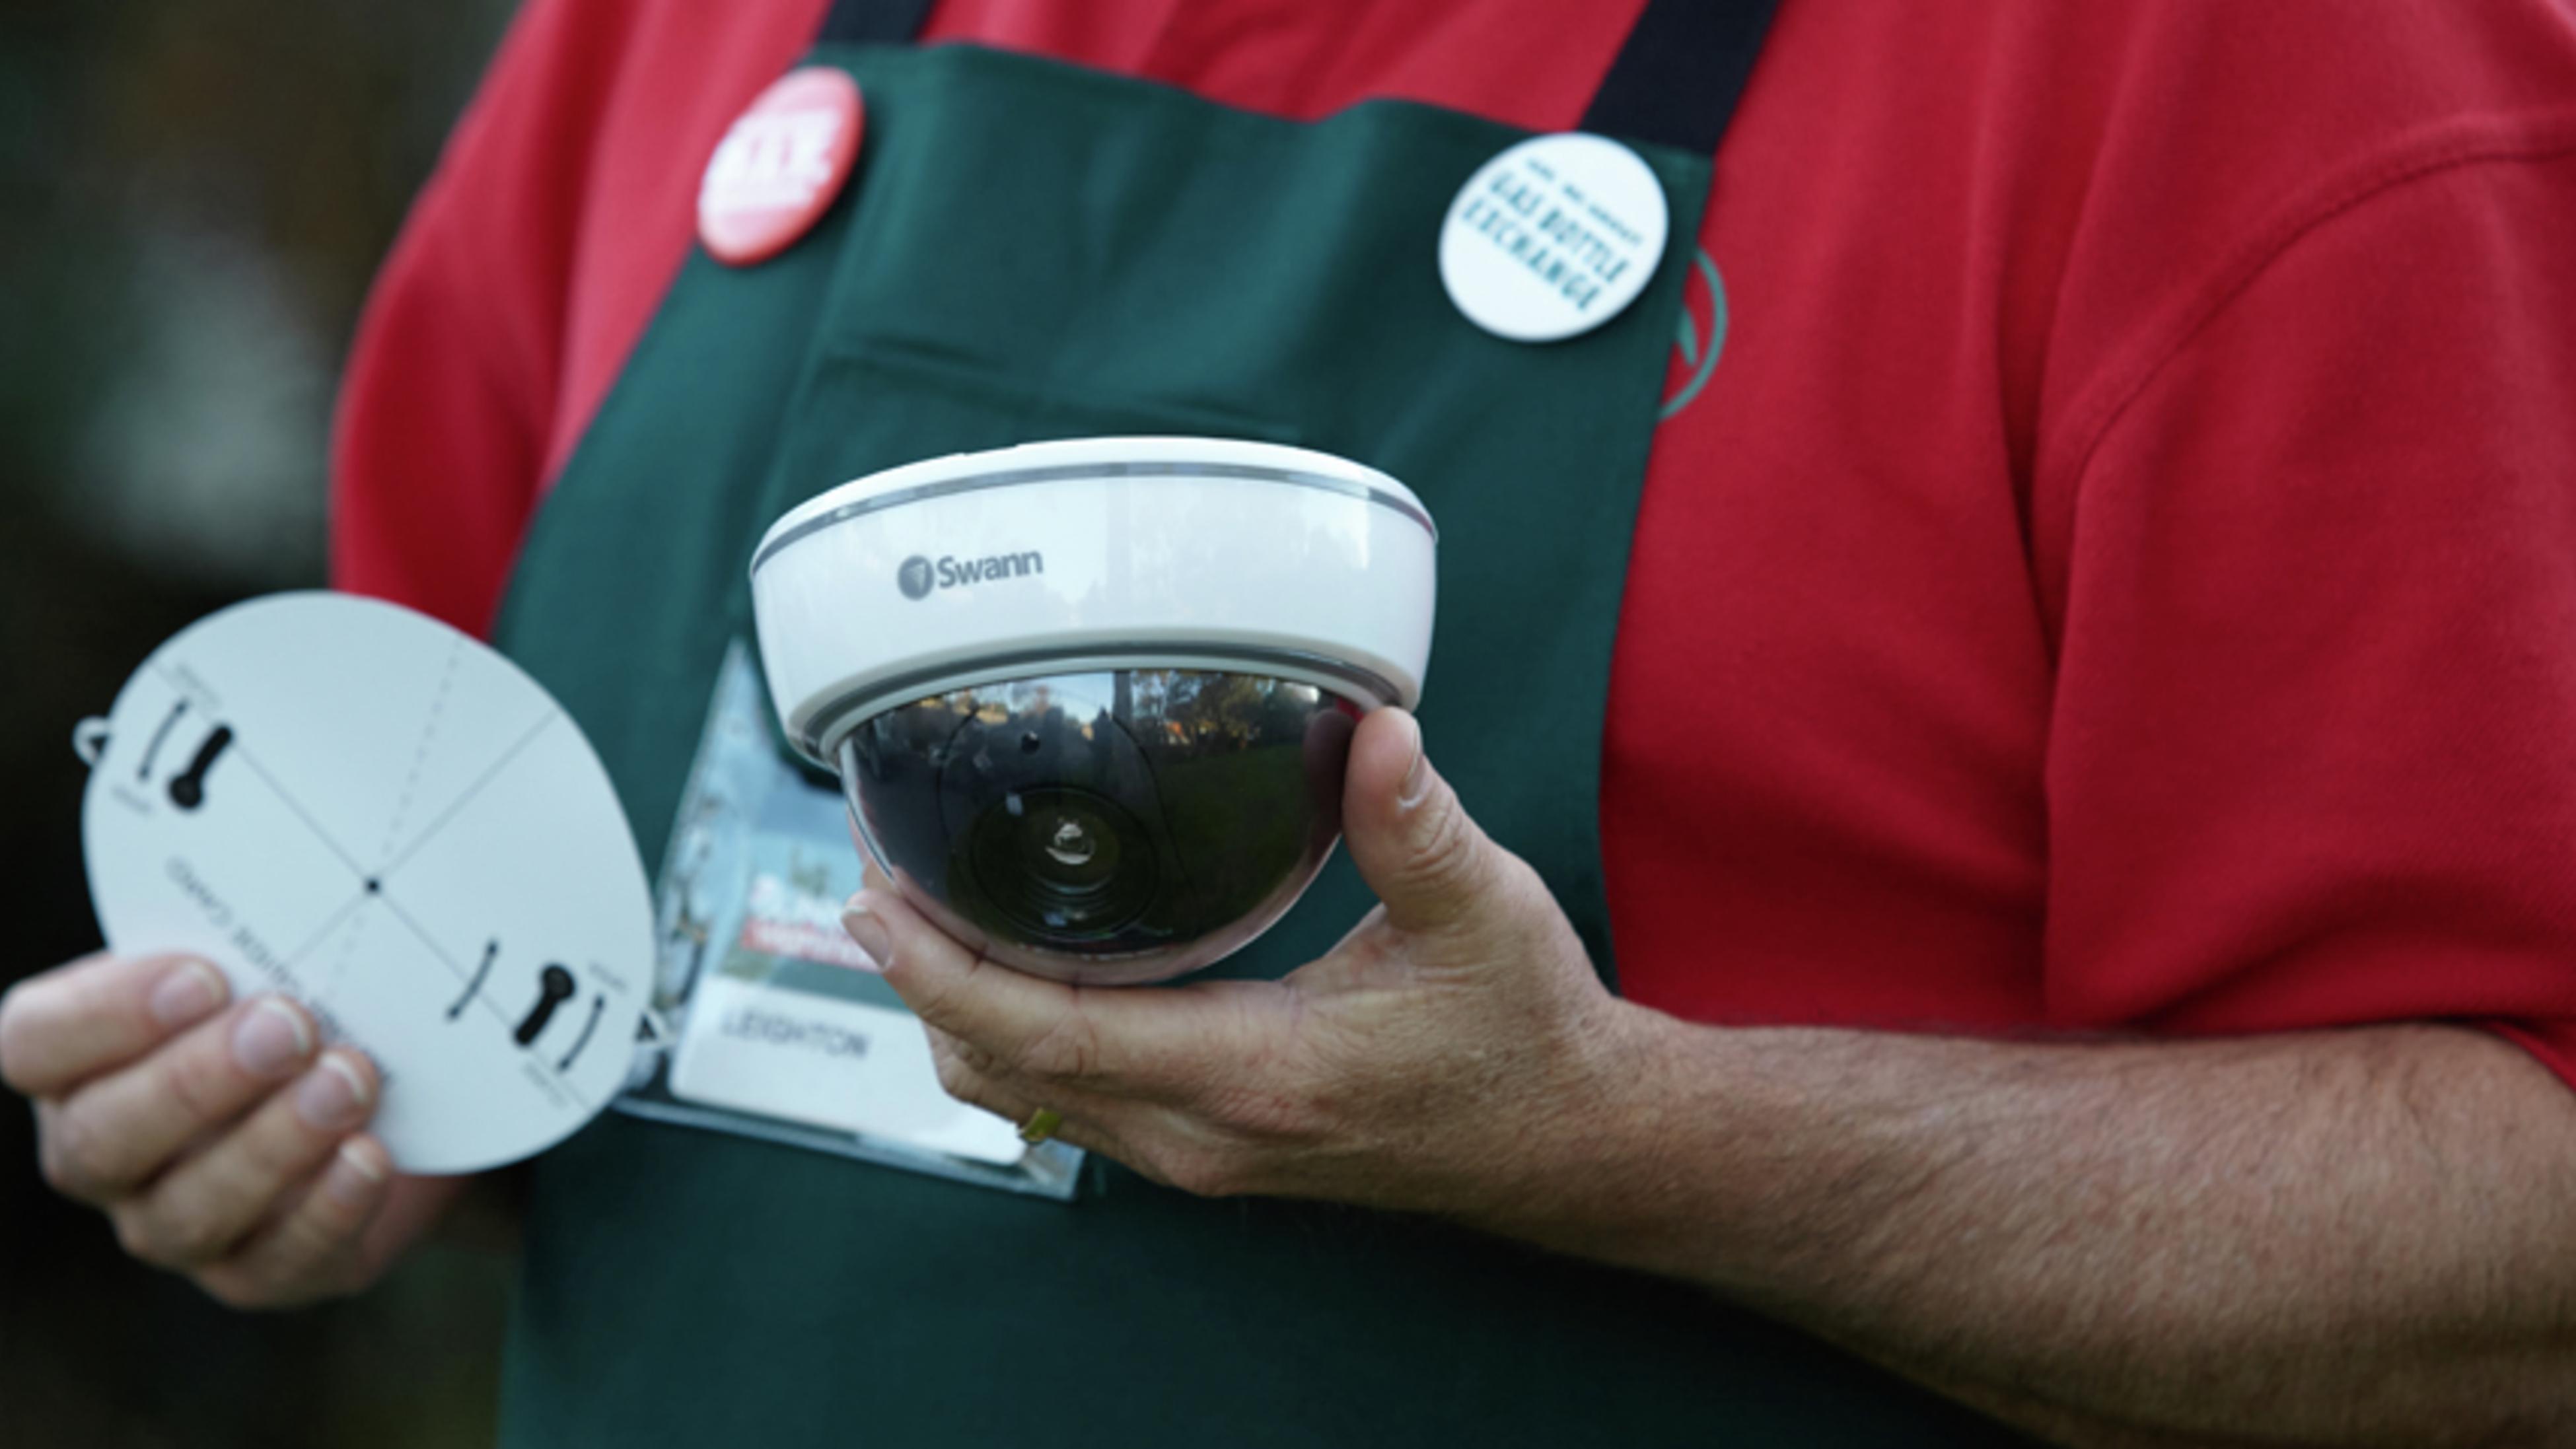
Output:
x=1416 y=1066
x=1101 y=708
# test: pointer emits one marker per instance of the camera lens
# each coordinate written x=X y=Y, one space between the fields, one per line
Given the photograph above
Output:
x=1065 y=865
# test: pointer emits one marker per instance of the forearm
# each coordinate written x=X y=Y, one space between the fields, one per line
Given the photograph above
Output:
x=2365 y=1236
x=2356 y=1237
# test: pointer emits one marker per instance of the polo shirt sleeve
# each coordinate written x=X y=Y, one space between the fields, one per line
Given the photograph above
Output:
x=446 y=404
x=2313 y=754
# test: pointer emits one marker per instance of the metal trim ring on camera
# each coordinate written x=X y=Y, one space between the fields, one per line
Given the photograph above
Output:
x=1090 y=701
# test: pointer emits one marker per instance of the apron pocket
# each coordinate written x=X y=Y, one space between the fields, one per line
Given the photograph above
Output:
x=868 y=406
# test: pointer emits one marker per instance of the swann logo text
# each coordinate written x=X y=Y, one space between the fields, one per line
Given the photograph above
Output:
x=919 y=575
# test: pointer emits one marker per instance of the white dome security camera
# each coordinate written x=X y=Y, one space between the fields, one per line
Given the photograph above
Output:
x=1091 y=701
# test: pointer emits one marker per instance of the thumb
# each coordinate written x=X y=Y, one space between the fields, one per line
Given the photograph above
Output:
x=1413 y=843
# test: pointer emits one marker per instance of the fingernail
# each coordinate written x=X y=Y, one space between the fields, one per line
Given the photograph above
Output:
x=355 y=1175
x=868 y=931
x=332 y=1095
x=272 y=1037
x=1417 y=780
x=189 y=993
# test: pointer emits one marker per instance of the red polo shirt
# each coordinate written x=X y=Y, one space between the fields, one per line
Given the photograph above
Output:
x=2119 y=572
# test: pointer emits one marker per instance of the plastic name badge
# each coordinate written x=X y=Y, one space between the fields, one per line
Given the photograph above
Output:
x=777 y=1025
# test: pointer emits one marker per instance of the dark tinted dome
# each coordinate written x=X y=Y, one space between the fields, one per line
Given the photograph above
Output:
x=1117 y=826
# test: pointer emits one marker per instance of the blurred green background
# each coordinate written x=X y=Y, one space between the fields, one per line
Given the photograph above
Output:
x=193 y=196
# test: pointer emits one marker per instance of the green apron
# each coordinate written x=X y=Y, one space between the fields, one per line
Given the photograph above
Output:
x=1033 y=250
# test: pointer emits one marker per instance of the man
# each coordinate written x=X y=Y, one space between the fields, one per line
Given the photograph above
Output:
x=2084 y=786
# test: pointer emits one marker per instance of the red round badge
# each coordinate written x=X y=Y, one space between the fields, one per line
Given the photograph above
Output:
x=780 y=166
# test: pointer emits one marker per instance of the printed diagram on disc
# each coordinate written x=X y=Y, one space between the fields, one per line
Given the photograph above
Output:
x=366 y=810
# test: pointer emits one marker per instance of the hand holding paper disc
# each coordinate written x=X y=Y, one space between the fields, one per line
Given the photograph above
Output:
x=359 y=807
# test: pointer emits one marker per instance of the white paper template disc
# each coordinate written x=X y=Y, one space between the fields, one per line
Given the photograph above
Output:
x=364 y=809
x=1553 y=237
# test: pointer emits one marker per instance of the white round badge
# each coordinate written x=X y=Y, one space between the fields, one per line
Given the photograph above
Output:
x=366 y=810
x=1553 y=237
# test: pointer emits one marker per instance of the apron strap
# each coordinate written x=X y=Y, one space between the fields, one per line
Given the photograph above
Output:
x=873 y=22
x=1679 y=76
x=1675 y=82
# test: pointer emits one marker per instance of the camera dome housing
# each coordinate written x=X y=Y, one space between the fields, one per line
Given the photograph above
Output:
x=1091 y=701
